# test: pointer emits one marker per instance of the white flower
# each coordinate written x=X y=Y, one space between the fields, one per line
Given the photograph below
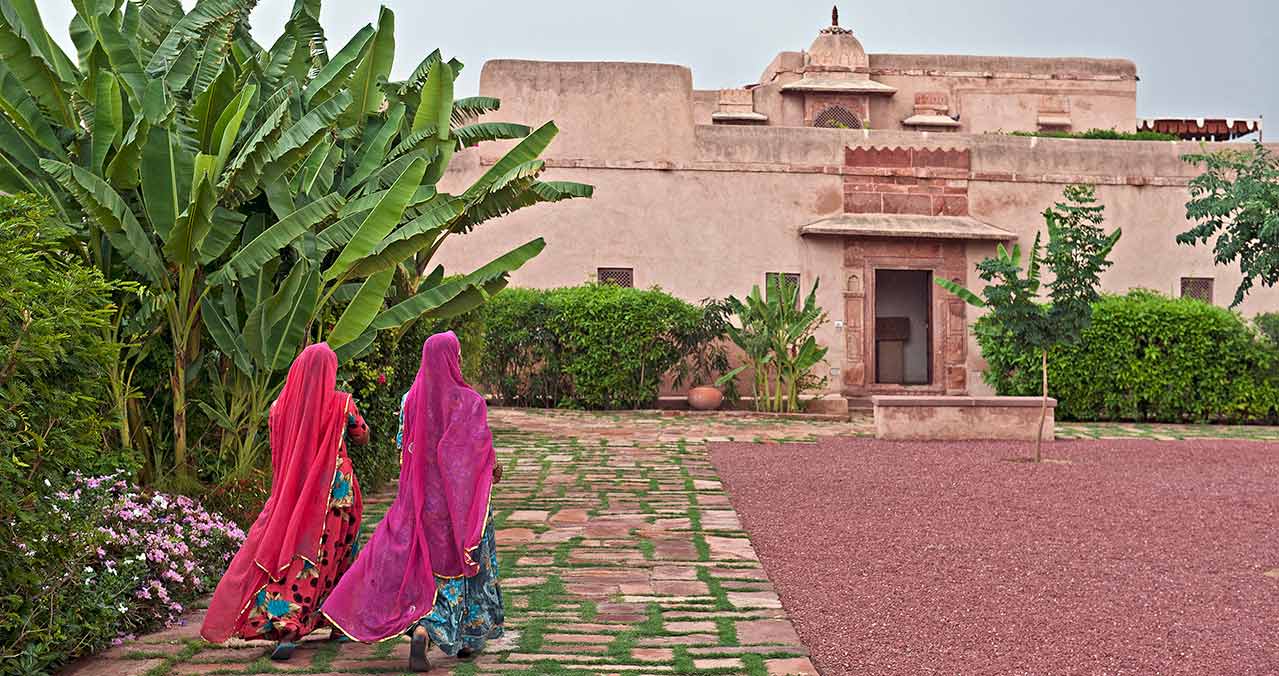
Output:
x=88 y=570
x=46 y=482
x=122 y=608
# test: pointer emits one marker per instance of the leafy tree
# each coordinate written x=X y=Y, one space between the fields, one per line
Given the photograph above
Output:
x=1236 y=200
x=1077 y=253
x=254 y=190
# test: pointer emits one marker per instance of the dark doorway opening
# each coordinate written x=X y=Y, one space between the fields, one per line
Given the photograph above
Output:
x=903 y=321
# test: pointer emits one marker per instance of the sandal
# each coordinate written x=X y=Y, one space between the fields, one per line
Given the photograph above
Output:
x=283 y=651
x=417 y=651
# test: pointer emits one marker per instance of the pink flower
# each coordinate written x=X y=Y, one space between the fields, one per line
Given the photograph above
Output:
x=381 y=379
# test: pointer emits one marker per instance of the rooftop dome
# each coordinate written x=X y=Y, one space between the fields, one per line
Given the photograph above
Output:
x=836 y=49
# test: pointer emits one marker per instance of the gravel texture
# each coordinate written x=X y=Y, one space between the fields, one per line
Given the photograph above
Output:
x=1124 y=557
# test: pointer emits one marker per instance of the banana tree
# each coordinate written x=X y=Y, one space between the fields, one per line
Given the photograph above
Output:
x=776 y=337
x=254 y=189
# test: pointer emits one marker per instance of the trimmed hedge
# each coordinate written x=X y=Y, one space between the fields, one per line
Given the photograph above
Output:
x=597 y=346
x=1147 y=357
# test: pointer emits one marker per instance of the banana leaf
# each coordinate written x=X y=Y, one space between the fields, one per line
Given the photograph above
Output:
x=374 y=69
x=380 y=222
x=250 y=258
x=362 y=309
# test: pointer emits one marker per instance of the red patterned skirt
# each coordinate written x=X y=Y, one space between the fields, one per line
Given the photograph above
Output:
x=289 y=608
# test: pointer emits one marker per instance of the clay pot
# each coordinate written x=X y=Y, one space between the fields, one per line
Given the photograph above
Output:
x=705 y=398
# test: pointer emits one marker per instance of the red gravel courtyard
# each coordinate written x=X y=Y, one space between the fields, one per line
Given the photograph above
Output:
x=1134 y=557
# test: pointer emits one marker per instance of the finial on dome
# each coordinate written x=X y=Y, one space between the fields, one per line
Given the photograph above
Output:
x=834 y=28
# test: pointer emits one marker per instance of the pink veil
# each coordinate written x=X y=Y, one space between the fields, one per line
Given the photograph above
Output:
x=439 y=515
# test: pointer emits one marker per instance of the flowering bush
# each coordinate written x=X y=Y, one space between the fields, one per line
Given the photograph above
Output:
x=103 y=562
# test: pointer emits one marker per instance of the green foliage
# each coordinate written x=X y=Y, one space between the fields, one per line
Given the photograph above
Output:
x=776 y=334
x=597 y=346
x=1146 y=357
x=282 y=186
x=1078 y=252
x=54 y=356
x=1101 y=135
x=704 y=348
x=523 y=362
x=1236 y=201
x=1268 y=324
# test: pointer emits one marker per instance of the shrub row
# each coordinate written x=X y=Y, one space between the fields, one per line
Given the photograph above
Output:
x=1147 y=357
x=596 y=346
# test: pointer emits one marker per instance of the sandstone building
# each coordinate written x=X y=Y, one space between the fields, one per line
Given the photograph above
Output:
x=872 y=172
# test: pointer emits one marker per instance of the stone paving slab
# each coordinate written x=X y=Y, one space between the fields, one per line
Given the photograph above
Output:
x=619 y=551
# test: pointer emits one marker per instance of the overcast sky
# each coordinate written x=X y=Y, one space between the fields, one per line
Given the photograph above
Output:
x=1195 y=58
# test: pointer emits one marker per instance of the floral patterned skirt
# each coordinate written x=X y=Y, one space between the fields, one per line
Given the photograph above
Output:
x=468 y=610
x=289 y=608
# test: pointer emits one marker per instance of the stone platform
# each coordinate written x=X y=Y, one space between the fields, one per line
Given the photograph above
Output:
x=905 y=418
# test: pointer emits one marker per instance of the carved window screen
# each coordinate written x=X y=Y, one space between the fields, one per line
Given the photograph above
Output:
x=624 y=277
x=1199 y=288
x=837 y=117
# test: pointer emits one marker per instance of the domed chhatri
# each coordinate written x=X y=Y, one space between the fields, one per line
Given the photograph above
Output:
x=836 y=49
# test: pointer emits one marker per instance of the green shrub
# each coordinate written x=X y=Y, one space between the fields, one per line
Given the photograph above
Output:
x=597 y=346
x=1102 y=135
x=1268 y=324
x=53 y=357
x=522 y=360
x=1147 y=357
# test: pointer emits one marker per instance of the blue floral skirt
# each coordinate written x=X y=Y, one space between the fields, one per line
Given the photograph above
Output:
x=468 y=610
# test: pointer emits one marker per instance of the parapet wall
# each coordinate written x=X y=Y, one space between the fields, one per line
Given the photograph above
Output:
x=1003 y=66
x=619 y=111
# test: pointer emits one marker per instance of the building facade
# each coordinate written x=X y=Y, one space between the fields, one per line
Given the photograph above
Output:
x=871 y=173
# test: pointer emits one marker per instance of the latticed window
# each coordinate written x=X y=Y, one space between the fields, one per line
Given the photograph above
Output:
x=620 y=276
x=1199 y=288
x=791 y=279
x=837 y=117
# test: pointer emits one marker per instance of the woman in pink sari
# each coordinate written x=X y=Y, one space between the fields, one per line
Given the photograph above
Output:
x=306 y=536
x=430 y=568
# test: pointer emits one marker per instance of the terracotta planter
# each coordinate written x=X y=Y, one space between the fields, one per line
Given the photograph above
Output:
x=705 y=398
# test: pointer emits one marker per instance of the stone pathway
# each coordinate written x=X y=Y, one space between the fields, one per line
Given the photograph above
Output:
x=620 y=554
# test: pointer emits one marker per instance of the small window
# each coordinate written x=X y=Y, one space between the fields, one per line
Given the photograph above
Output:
x=1199 y=288
x=837 y=117
x=624 y=277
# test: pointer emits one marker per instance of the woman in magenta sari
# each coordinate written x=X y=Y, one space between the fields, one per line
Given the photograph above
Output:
x=306 y=536
x=430 y=568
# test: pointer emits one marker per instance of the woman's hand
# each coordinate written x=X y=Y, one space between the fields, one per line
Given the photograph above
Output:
x=497 y=474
